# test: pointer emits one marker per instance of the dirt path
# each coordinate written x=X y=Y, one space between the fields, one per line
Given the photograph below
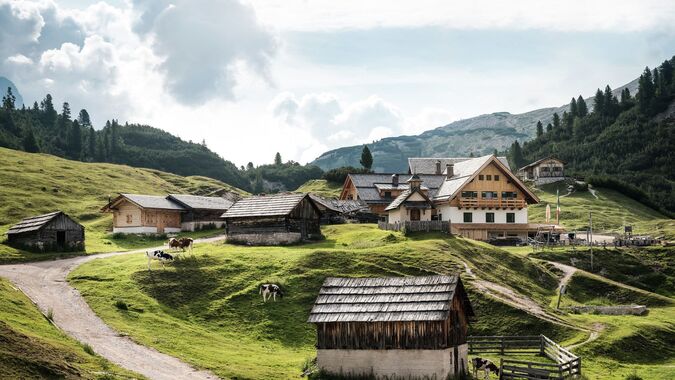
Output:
x=568 y=272
x=45 y=283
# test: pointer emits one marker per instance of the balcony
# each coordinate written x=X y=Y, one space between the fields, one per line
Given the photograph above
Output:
x=506 y=203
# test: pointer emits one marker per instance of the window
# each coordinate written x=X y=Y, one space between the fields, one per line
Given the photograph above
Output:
x=489 y=195
x=496 y=177
x=509 y=195
x=469 y=194
x=510 y=217
x=489 y=217
x=488 y=177
x=557 y=169
x=480 y=177
x=544 y=169
x=387 y=194
x=130 y=218
x=468 y=217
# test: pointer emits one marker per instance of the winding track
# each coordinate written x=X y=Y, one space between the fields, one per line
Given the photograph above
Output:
x=45 y=284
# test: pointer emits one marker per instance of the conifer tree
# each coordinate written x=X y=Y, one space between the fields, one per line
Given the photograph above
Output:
x=582 y=108
x=29 y=143
x=49 y=114
x=573 y=108
x=74 y=140
x=91 y=143
x=516 y=154
x=645 y=93
x=8 y=101
x=277 y=159
x=556 y=121
x=540 y=129
x=599 y=105
x=549 y=128
x=366 y=158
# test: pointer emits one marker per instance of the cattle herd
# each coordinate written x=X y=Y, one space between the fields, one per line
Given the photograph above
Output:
x=185 y=244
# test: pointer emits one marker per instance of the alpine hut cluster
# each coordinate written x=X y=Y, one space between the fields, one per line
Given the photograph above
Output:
x=399 y=327
x=273 y=220
x=55 y=231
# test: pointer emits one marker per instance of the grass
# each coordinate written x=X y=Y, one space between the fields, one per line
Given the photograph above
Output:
x=33 y=184
x=33 y=348
x=213 y=299
x=321 y=187
x=611 y=211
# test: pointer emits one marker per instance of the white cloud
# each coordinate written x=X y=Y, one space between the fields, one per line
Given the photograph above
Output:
x=623 y=16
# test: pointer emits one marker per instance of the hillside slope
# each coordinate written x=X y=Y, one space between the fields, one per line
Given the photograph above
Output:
x=33 y=184
x=478 y=135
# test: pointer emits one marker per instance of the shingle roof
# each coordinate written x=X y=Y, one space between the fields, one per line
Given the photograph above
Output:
x=366 y=185
x=403 y=197
x=427 y=165
x=32 y=223
x=153 y=201
x=427 y=298
x=267 y=205
x=202 y=203
x=541 y=160
x=340 y=205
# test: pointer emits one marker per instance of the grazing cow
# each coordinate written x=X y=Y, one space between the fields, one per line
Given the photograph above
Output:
x=158 y=255
x=485 y=365
x=174 y=244
x=186 y=242
x=270 y=291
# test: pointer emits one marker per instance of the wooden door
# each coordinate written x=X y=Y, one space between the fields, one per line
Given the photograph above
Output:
x=415 y=214
x=160 y=223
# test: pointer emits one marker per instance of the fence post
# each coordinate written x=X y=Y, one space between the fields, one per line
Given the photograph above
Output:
x=541 y=344
x=502 y=341
x=501 y=368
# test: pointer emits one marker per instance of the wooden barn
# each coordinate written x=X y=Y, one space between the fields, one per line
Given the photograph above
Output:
x=55 y=231
x=203 y=212
x=273 y=220
x=397 y=327
x=144 y=214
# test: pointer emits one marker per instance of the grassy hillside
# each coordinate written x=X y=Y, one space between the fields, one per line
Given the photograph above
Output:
x=33 y=184
x=213 y=297
x=321 y=187
x=611 y=211
x=32 y=348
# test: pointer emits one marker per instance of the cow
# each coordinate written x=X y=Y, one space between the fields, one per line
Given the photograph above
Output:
x=158 y=255
x=485 y=365
x=186 y=242
x=173 y=244
x=270 y=291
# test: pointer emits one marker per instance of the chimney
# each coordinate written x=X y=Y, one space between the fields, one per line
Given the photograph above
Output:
x=438 y=167
x=394 y=179
x=449 y=170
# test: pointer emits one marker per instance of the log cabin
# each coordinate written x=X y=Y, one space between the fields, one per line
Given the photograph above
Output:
x=544 y=171
x=396 y=327
x=55 y=231
x=203 y=212
x=277 y=219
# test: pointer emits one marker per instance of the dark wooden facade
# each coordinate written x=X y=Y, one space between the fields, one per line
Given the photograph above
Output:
x=50 y=232
x=414 y=316
x=284 y=213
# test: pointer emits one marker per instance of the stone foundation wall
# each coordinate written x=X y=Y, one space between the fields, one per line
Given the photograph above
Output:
x=393 y=364
x=272 y=238
x=611 y=310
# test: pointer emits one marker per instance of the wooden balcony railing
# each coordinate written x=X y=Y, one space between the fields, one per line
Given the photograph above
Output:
x=491 y=203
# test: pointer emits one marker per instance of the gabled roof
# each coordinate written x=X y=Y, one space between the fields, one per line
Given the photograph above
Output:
x=158 y=202
x=266 y=205
x=34 y=223
x=427 y=165
x=200 y=202
x=540 y=161
x=465 y=171
x=388 y=299
x=339 y=205
x=403 y=197
x=367 y=185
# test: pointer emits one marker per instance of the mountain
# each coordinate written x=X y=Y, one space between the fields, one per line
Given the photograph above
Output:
x=478 y=135
x=4 y=84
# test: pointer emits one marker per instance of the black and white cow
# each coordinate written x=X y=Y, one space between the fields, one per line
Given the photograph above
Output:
x=158 y=255
x=484 y=365
x=270 y=291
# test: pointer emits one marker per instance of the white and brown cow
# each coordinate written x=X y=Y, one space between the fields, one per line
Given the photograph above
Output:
x=270 y=291
x=158 y=255
x=484 y=365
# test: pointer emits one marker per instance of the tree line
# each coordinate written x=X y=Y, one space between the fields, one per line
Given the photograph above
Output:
x=627 y=142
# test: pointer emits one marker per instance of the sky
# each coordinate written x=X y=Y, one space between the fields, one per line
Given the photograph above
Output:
x=300 y=77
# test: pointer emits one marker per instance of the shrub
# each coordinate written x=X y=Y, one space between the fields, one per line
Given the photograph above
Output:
x=633 y=376
x=50 y=315
x=121 y=305
x=87 y=348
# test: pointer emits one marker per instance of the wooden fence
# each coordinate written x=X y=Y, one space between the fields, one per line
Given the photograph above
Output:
x=566 y=363
x=416 y=226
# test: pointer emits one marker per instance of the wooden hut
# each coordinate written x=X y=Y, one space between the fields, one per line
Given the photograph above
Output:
x=273 y=220
x=150 y=214
x=203 y=212
x=55 y=231
x=398 y=327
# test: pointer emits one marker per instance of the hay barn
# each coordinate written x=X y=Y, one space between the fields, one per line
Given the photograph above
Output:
x=397 y=327
x=55 y=231
x=273 y=220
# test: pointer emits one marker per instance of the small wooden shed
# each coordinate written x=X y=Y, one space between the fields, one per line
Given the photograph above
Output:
x=396 y=327
x=144 y=214
x=55 y=231
x=273 y=220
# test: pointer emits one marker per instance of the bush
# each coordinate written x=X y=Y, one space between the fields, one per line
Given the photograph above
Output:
x=87 y=348
x=633 y=376
x=50 y=315
x=121 y=305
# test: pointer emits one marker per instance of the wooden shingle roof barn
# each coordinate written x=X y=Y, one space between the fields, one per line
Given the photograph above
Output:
x=265 y=205
x=387 y=299
x=47 y=232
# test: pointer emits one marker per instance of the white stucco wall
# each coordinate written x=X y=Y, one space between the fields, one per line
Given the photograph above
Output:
x=455 y=215
x=402 y=214
x=393 y=364
x=135 y=230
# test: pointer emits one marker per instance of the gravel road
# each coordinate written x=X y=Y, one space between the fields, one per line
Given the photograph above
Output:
x=45 y=283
